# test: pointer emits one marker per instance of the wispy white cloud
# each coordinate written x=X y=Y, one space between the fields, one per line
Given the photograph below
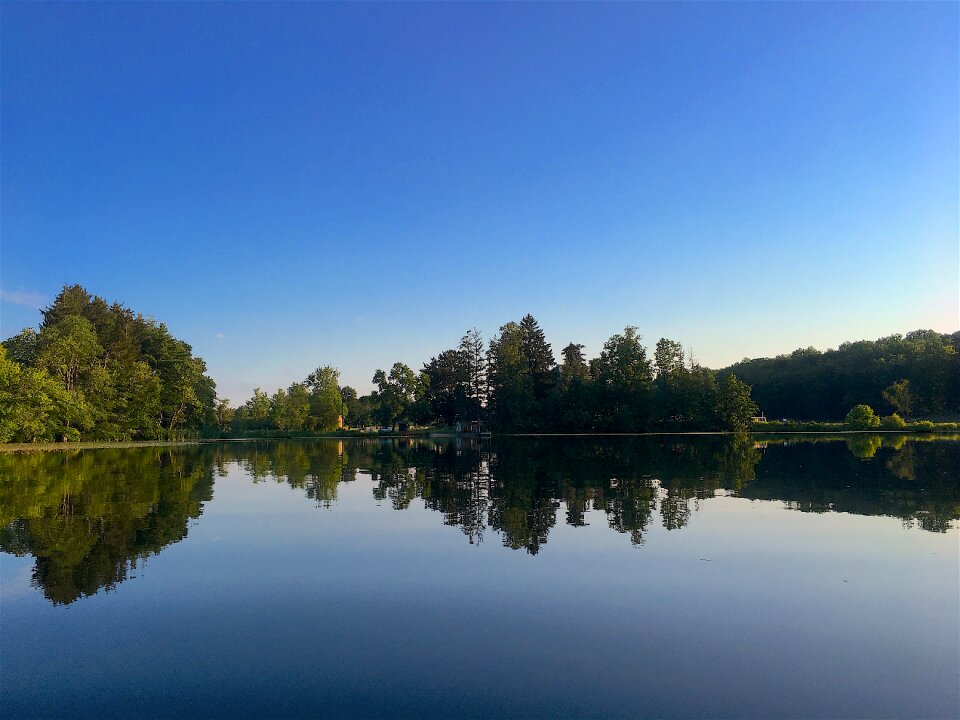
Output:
x=220 y=336
x=22 y=297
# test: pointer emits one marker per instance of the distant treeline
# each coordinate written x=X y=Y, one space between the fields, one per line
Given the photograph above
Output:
x=514 y=384
x=917 y=374
x=97 y=371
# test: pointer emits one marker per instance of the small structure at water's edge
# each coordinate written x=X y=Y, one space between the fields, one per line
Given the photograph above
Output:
x=474 y=428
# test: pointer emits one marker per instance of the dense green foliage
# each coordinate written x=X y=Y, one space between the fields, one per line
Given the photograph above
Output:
x=515 y=384
x=519 y=386
x=913 y=374
x=97 y=371
x=893 y=422
x=862 y=417
x=315 y=405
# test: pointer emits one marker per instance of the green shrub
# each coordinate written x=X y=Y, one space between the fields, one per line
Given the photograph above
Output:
x=862 y=417
x=893 y=422
x=923 y=426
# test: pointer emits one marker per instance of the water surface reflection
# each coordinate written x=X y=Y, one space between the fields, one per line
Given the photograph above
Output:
x=88 y=518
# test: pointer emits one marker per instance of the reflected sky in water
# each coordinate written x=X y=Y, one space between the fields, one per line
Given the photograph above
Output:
x=668 y=577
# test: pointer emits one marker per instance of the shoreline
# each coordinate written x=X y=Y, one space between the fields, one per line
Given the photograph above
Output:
x=125 y=444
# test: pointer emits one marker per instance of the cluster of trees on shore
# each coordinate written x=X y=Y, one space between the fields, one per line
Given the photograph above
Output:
x=917 y=374
x=514 y=384
x=519 y=386
x=98 y=371
x=316 y=404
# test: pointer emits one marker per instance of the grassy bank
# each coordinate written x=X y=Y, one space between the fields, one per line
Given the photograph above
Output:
x=836 y=430
x=94 y=445
x=210 y=438
x=305 y=434
x=790 y=426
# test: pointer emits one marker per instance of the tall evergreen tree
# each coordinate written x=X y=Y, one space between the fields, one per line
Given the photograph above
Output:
x=570 y=406
x=475 y=370
x=539 y=356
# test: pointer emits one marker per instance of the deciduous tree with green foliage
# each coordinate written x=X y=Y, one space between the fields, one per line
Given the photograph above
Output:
x=449 y=382
x=734 y=406
x=899 y=396
x=124 y=376
x=512 y=401
x=326 y=404
x=351 y=405
x=623 y=377
x=862 y=417
x=402 y=396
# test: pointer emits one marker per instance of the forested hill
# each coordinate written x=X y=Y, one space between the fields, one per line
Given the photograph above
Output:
x=812 y=385
x=99 y=371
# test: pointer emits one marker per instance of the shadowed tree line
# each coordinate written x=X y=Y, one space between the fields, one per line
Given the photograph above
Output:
x=518 y=386
x=514 y=384
x=91 y=518
x=916 y=374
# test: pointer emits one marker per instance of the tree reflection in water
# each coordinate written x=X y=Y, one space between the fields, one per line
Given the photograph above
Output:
x=91 y=518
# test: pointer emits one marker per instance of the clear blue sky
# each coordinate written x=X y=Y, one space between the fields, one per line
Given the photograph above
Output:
x=290 y=185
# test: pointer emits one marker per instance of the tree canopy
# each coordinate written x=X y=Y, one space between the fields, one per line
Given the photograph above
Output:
x=916 y=373
x=99 y=371
x=94 y=370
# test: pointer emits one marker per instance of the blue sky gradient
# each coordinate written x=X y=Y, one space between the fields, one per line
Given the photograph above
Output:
x=290 y=185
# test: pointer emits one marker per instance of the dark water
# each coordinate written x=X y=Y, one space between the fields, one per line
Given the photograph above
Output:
x=654 y=577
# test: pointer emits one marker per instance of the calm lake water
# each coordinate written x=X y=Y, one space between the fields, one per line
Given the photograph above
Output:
x=554 y=577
